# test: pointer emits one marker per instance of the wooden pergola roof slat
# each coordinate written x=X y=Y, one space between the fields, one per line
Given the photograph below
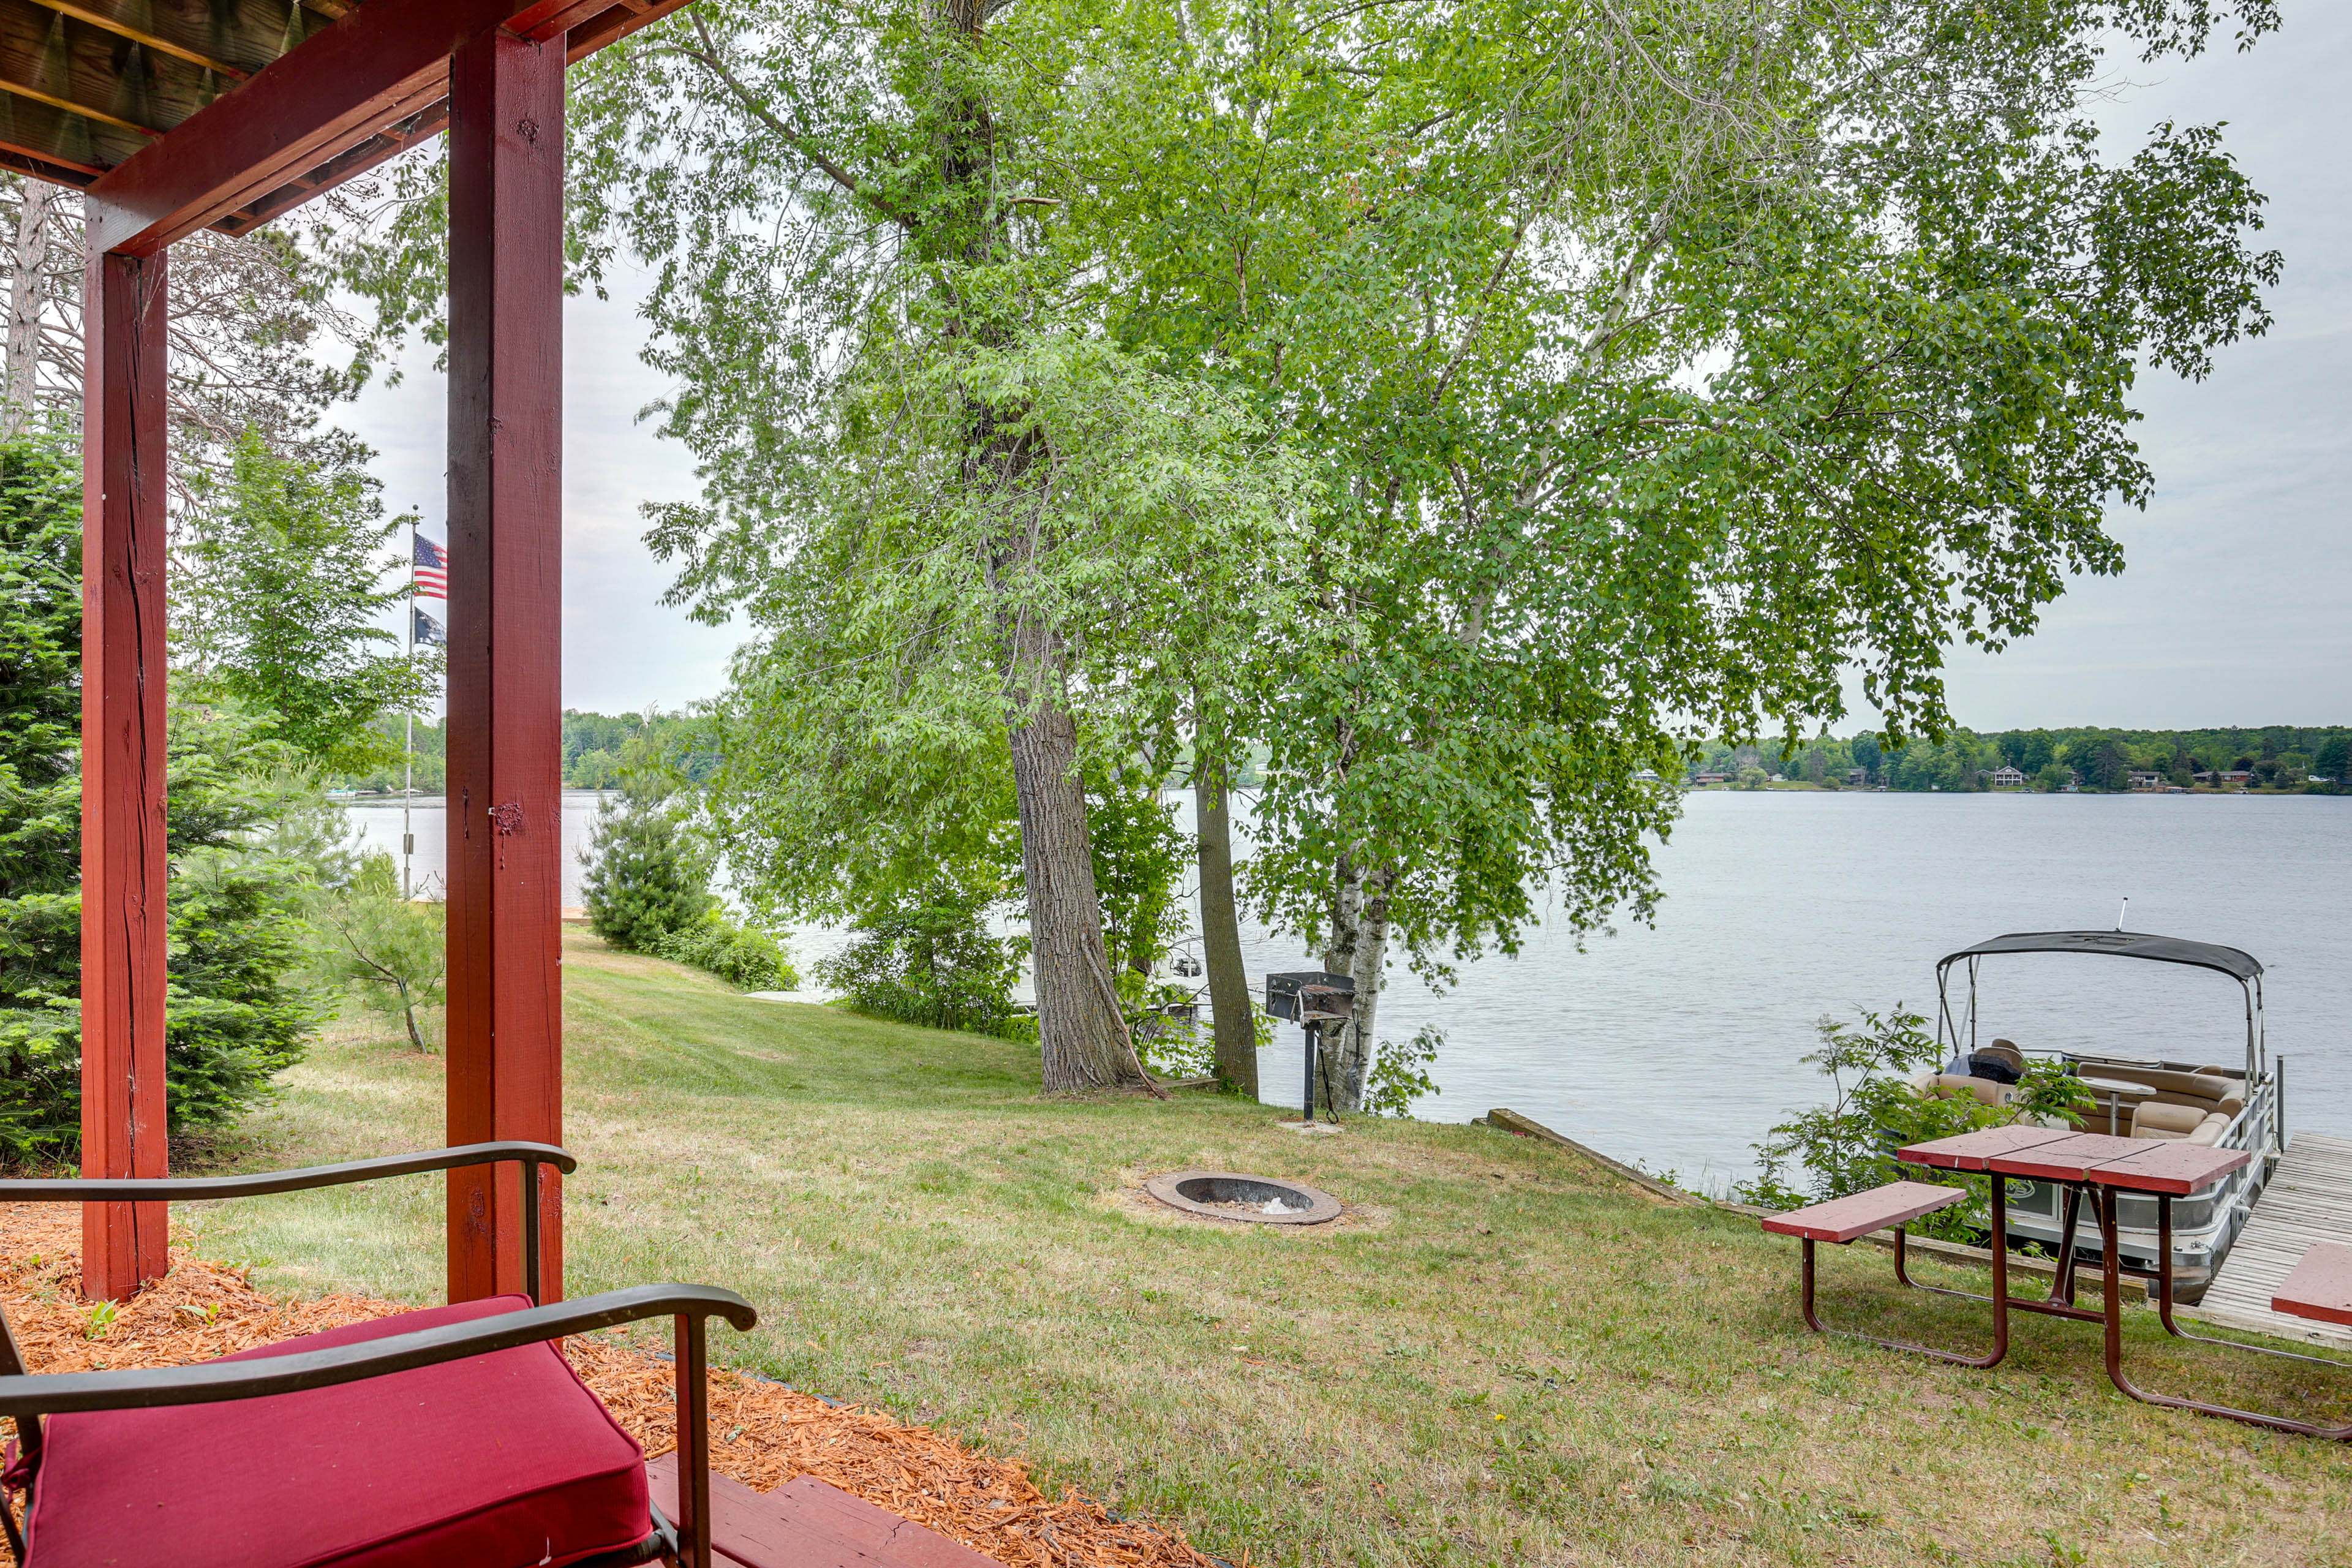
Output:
x=70 y=107
x=97 y=18
x=44 y=166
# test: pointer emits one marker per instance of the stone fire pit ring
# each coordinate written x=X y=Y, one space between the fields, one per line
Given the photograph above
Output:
x=1252 y=1200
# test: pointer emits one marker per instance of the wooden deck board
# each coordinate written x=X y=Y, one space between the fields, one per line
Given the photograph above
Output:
x=2307 y=1201
x=805 y=1523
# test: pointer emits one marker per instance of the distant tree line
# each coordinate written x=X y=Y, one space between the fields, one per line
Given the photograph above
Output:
x=599 y=749
x=2312 y=758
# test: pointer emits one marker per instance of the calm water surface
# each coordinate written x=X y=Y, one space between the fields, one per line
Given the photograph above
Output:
x=1677 y=1045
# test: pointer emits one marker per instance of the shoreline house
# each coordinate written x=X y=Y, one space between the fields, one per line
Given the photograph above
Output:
x=2146 y=782
x=2007 y=777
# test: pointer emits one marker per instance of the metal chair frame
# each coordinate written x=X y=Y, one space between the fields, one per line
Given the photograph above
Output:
x=686 y=1541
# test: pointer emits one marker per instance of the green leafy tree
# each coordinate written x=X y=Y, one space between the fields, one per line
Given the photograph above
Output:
x=40 y=796
x=1848 y=1145
x=928 y=958
x=289 y=562
x=2103 y=762
x=2332 y=761
x=393 y=950
x=241 y=890
x=646 y=878
x=249 y=844
x=1664 y=377
x=1401 y=1077
x=1663 y=361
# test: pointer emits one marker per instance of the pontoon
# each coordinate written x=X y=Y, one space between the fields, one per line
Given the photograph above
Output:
x=2234 y=1105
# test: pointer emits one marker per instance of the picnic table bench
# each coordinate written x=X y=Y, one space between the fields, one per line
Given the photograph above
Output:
x=2320 y=1286
x=1842 y=1220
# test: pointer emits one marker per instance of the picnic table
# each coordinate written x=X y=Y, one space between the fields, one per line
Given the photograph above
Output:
x=2093 y=1167
x=2098 y=1168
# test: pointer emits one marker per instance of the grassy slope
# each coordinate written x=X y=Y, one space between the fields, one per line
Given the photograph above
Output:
x=1506 y=1358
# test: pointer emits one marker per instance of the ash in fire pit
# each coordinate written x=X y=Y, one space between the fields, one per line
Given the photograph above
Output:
x=1257 y=1200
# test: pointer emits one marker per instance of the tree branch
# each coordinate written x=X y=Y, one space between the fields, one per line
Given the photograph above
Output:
x=708 y=57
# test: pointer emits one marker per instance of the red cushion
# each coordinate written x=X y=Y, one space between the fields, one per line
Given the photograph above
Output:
x=497 y=1461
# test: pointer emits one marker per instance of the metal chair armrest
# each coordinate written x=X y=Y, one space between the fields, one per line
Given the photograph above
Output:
x=194 y=1189
x=207 y=1383
x=190 y=1189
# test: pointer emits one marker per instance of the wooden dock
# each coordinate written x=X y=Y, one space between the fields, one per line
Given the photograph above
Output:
x=2309 y=1199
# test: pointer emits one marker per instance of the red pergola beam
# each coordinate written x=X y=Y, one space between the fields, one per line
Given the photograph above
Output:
x=123 y=860
x=380 y=63
x=505 y=734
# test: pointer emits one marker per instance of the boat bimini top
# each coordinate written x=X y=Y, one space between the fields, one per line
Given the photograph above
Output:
x=2242 y=967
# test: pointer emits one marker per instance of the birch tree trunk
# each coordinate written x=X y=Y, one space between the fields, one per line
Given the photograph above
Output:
x=1220 y=932
x=1081 y=1032
x=1359 y=950
x=25 y=273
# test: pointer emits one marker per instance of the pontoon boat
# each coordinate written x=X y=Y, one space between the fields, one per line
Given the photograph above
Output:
x=2235 y=1106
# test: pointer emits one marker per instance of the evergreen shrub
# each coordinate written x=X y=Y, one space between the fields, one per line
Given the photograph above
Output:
x=647 y=878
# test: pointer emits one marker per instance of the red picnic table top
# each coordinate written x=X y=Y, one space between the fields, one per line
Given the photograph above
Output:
x=2135 y=1165
x=1970 y=1150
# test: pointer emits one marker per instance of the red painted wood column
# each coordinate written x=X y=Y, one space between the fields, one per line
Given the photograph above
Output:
x=505 y=1054
x=122 y=863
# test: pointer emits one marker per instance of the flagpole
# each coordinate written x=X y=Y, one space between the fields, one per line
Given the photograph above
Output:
x=408 y=728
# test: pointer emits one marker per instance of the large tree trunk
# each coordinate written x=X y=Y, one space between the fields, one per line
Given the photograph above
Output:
x=1220 y=932
x=1080 y=1031
x=1359 y=941
x=24 y=301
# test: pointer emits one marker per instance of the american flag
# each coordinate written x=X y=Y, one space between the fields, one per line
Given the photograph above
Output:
x=432 y=570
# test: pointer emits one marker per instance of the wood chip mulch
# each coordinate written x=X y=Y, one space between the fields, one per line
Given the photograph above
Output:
x=763 y=1433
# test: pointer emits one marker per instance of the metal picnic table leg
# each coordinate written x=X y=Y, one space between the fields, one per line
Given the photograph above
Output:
x=2062 y=1283
x=2106 y=1200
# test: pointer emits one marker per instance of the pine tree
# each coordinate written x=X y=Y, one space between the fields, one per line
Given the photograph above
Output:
x=233 y=1016
x=645 y=879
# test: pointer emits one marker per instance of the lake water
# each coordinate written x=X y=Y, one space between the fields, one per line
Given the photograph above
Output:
x=1677 y=1045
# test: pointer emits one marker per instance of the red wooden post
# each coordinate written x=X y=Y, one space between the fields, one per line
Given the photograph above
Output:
x=122 y=863
x=505 y=732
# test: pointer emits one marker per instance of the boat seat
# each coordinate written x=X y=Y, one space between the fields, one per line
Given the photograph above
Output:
x=2176 y=1122
x=1952 y=1086
x=2190 y=1091
x=2153 y=1118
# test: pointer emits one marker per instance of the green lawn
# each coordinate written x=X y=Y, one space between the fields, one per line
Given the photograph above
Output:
x=1503 y=1355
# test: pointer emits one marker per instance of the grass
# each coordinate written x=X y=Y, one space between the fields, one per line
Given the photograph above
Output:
x=1502 y=1356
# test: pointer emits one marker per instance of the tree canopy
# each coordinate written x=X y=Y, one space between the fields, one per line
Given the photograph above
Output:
x=1474 y=406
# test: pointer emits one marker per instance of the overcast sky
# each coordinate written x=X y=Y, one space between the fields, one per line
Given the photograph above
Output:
x=2232 y=608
